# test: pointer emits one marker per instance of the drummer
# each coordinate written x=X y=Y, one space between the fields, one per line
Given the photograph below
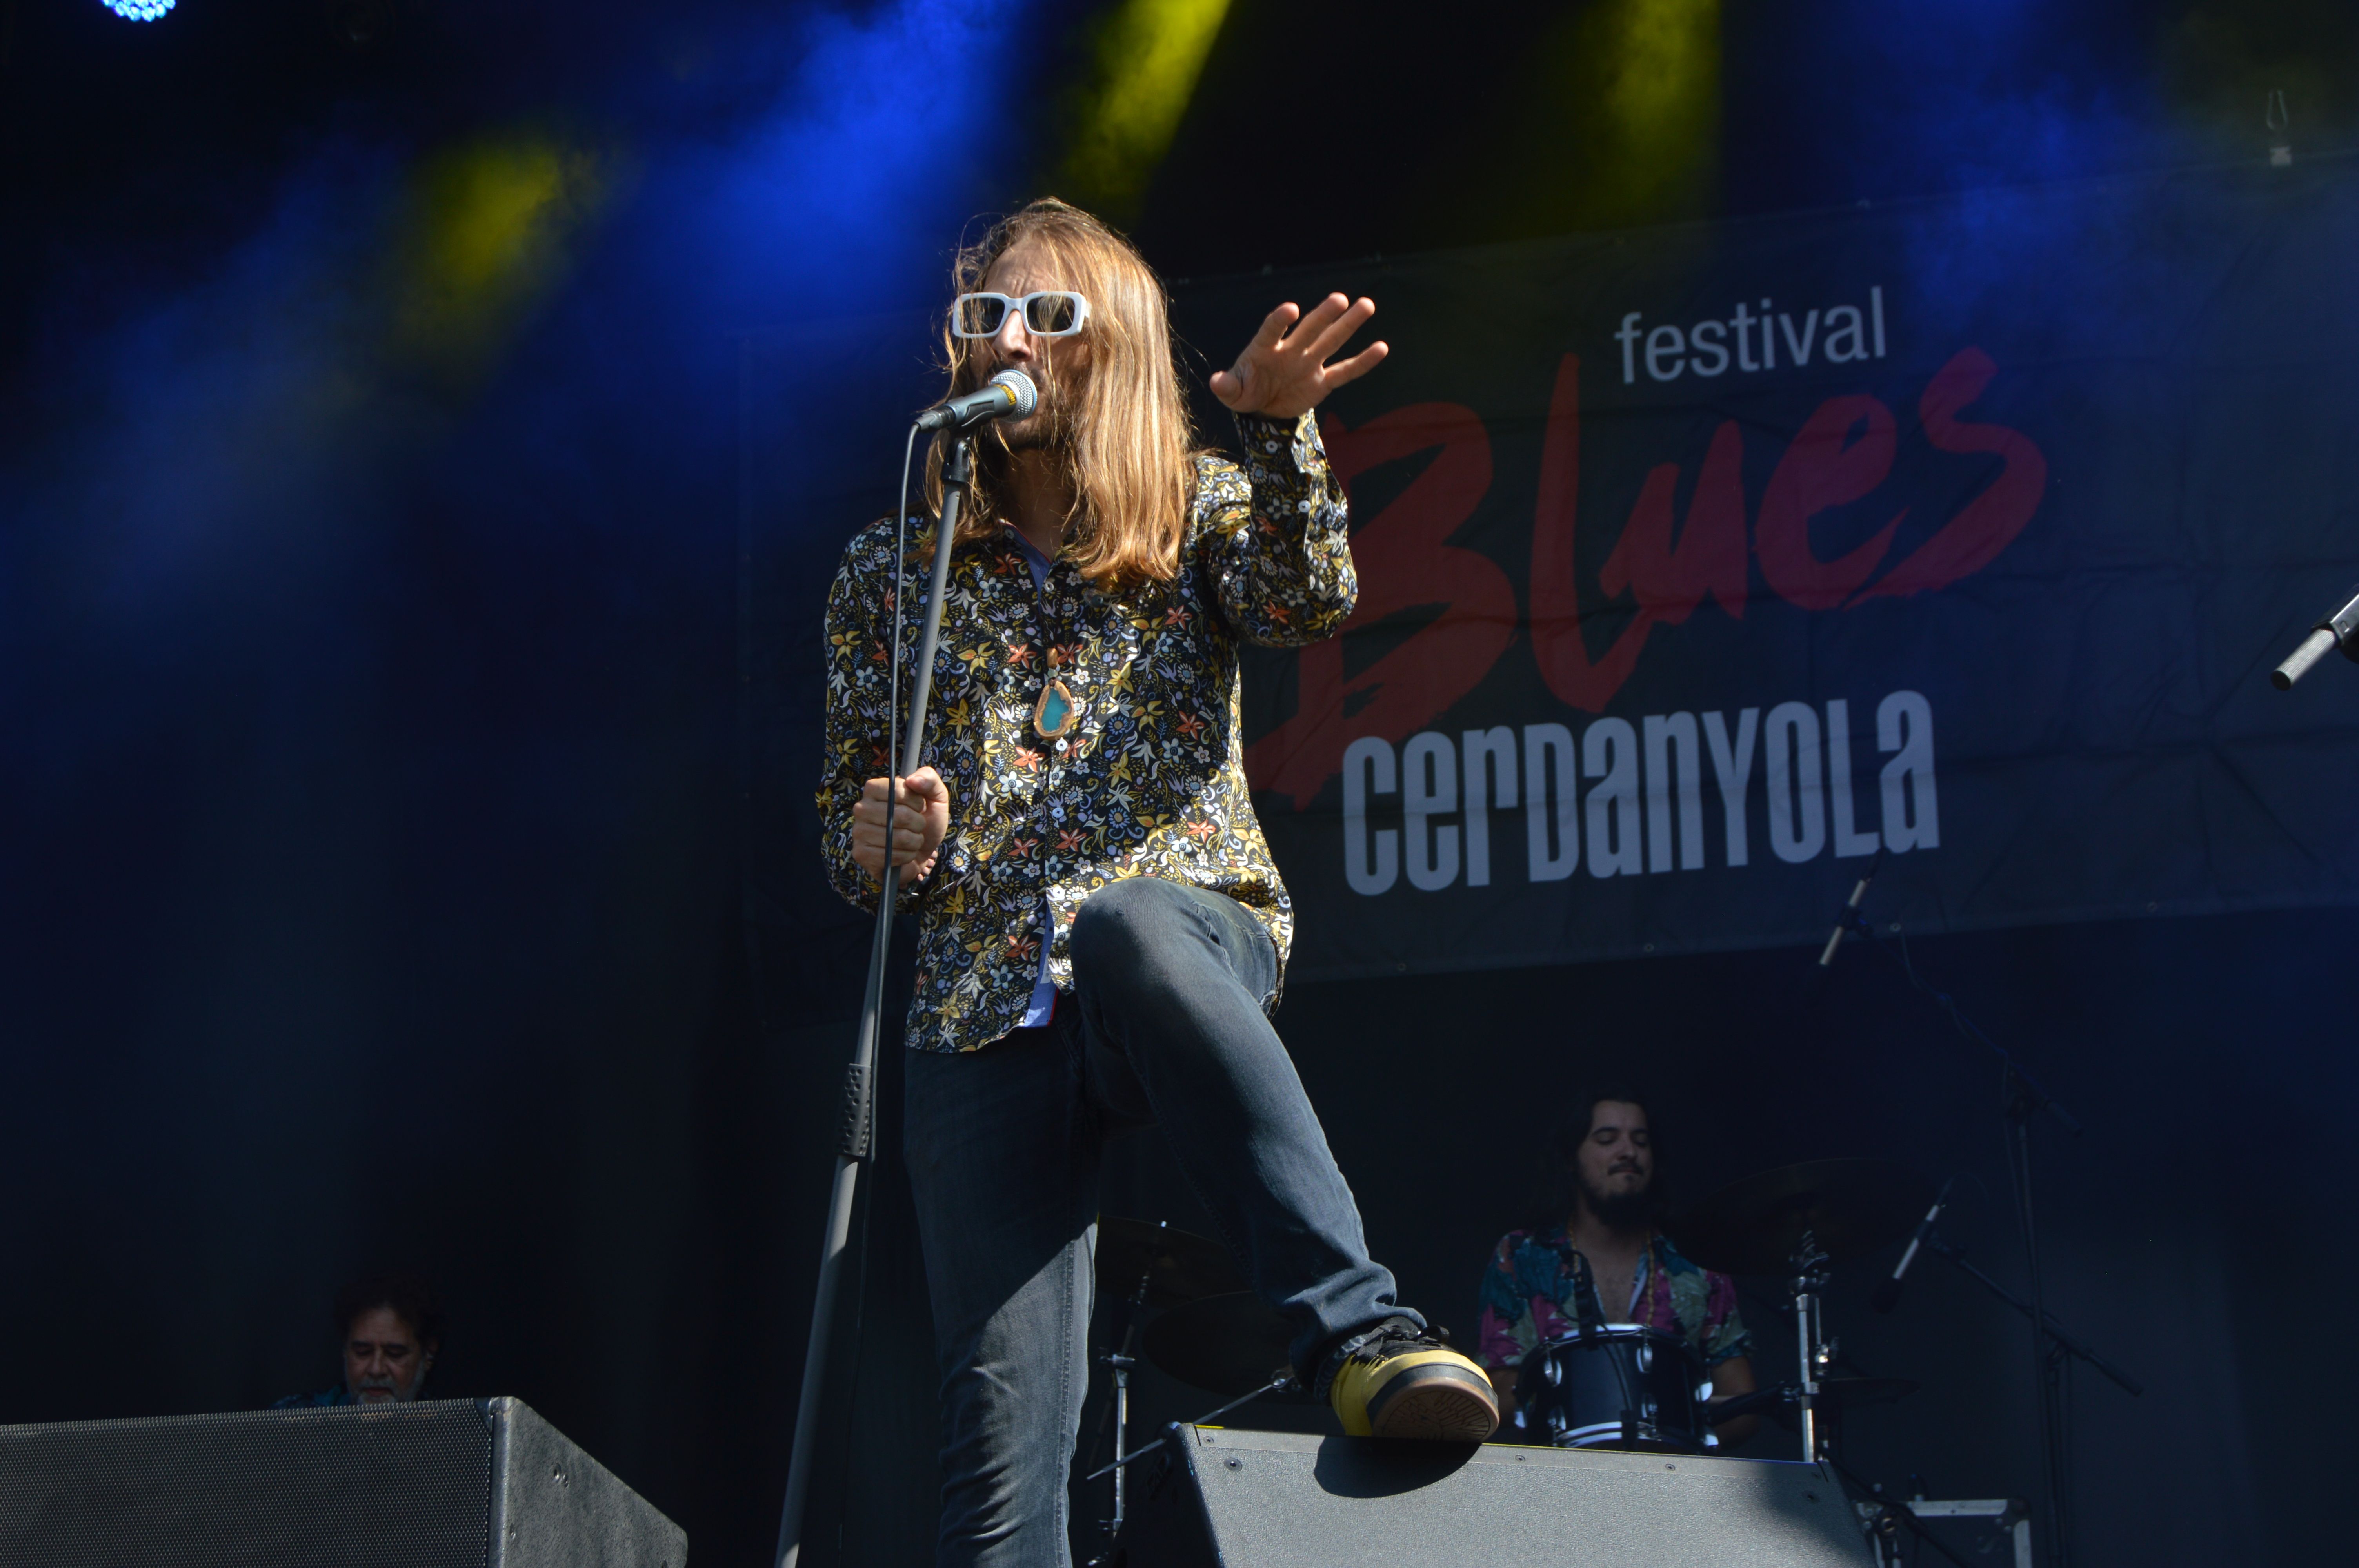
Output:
x=1608 y=1198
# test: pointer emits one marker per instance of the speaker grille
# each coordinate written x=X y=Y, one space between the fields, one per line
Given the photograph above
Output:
x=404 y=1485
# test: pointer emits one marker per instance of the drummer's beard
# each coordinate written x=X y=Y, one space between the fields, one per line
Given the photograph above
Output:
x=1630 y=1210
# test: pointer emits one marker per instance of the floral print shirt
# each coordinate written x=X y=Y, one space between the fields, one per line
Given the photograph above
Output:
x=1149 y=781
x=1528 y=1299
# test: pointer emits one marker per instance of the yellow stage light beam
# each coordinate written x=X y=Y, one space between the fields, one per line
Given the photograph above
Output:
x=488 y=236
x=1147 y=58
x=1656 y=132
x=1616 y=122
x=1666 y=92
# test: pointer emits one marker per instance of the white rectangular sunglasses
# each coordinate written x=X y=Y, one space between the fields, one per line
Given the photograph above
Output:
x=1051 y=313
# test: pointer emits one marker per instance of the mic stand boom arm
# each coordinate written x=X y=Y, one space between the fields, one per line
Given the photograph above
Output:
x=1942 y=1246
x=860 y=1078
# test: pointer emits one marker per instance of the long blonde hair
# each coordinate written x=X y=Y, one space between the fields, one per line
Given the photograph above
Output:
x=1127 y=433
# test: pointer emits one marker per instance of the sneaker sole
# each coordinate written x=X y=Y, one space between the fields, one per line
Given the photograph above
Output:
x=1435 y=1403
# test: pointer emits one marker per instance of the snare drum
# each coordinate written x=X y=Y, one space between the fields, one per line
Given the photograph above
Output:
x=1621 y=1386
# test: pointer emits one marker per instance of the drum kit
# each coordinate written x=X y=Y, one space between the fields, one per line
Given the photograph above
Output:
x=1605 y=1384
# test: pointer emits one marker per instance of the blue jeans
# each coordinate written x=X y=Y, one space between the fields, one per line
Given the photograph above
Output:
x=1165 y=1024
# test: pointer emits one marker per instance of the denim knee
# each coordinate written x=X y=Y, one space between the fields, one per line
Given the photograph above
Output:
x=1123 y=922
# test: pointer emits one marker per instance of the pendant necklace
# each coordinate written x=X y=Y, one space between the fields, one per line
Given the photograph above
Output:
x=1057 y=713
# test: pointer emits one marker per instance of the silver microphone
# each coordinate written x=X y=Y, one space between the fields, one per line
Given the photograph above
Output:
x=2340 y=629
x=1010 y=394
x=1888 y=1292
x=1834 y=939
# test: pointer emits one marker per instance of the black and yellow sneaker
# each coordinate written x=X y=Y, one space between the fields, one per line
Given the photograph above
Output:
x=1397 y=1380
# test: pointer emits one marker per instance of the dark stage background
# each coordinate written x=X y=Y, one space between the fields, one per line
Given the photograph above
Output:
x=409 y=552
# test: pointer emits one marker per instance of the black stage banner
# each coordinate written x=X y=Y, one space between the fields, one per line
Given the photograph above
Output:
x=1698 y=565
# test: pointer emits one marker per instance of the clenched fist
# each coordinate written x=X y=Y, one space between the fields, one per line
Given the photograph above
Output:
x=919 y=819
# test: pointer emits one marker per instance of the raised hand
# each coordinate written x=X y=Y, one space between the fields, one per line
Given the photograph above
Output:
x=1284 y=373
x=920 y=818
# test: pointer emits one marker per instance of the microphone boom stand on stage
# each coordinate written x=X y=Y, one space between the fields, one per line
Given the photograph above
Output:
x=1010 y=393
x=2022 y=1097
x=1943 y=1248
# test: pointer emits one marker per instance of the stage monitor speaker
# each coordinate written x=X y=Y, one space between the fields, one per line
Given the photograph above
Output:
x=1268 y=1499
x=443 y=1484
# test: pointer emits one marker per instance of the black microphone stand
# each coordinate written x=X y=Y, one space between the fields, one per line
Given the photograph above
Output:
x=860 y=1077
x=2021 y=1095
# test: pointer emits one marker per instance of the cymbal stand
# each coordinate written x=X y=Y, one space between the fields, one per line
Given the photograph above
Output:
x=1818 y=1352
x=1285 y=1382
x=1120 y=1362
x=1122 y=1366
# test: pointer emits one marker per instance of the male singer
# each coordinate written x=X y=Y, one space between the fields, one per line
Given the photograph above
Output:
x=1102 y=931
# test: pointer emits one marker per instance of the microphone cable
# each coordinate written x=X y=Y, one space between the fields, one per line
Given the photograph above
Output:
x=893 y=679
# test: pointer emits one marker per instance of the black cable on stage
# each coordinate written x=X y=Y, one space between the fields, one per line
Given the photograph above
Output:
x=893 y=679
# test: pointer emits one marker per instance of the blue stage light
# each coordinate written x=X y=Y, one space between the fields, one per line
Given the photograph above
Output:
x=140 y=10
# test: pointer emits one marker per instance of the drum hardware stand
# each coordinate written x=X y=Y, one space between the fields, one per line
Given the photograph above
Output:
x=860 y=1077
x=2021 y=1096
x=1120 y=1362
x=1818 y=1352
x=1282 y=1383
x=1879 y=1516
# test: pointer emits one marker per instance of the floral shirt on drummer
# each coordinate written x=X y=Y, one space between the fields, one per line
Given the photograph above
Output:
x=1528 y=1299
x=1148 y=782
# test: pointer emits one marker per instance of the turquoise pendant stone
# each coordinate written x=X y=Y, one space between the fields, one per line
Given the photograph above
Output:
x=1056 y=711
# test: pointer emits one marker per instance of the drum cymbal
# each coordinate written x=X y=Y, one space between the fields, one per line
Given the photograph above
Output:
x=1227 y=1344
x=1848 y=1206
x=1178 y=1265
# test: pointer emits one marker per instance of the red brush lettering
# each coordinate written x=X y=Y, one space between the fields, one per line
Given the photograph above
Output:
x=1557 y=642
x=1989 y=522
x=1842 y=452
x=1668 y=577
x=1669 y=580
x=1825 y=467
x=1406 y=562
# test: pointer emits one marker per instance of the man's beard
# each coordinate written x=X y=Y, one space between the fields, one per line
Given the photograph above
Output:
x=1619 y=1211
x=1048 y=431
x=1039 y=441
x=1051 y=428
